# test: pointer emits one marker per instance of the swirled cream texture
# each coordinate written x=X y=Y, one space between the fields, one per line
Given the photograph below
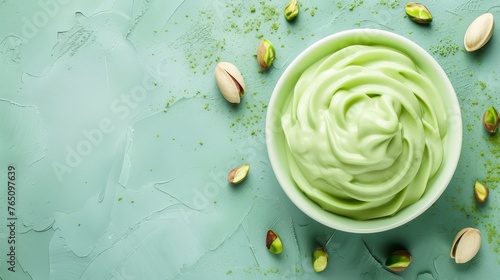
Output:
x=364 y=129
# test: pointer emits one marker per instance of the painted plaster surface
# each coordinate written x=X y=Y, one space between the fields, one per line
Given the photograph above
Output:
x=120 y=143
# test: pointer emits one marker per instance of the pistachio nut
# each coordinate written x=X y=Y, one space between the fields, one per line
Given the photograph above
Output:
x=479 y=32
x=265 y=54
x=238 y=174
x=319 y=259
x=292 y=10
x=230 y=81
x=398 y=260
x=273 y=242
x=481 y=192
x=466 y=245
x=491 y=120
x=418 y=13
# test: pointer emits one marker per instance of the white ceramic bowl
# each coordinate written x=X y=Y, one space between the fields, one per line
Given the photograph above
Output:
x=276 y=140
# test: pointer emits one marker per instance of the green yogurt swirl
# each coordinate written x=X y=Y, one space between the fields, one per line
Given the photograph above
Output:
x=364 y=129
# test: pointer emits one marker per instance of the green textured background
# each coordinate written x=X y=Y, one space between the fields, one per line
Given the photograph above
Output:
x=110 y=113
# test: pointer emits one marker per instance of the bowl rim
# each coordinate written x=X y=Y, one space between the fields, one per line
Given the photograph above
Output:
x=452 y=145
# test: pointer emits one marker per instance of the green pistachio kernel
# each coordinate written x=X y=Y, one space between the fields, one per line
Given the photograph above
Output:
x=238 y=174
x=292 y=10
x=418 y=13
x=491 y=120
x=399 y=260
x=319 y=259
x=266 y=54
x=273 y=242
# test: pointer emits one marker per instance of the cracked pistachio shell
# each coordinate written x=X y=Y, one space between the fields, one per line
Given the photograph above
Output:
x=266 y=54
x=466 y=245
x=418 y=13
x=491 y=120
x=230 y=81
x=319 y=259
x=479 y=32
x=273 y=242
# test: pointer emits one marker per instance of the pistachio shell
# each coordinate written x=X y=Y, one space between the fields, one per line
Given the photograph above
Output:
x=230 y=81
x=479 y=32
x=466 y=245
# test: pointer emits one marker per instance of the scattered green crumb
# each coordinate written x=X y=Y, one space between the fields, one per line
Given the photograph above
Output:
x=170 y=102
x=252 y=9
x=157 y=135
x=448 y=47
x=79 y=224
x=312 y=13
x=355 y=4
x=201 y=143
x=120 y=198
x=271 y=270
x=392 y=4
x=132 y=201
x=229 y=272
x=482 y=85
x=469 y=127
